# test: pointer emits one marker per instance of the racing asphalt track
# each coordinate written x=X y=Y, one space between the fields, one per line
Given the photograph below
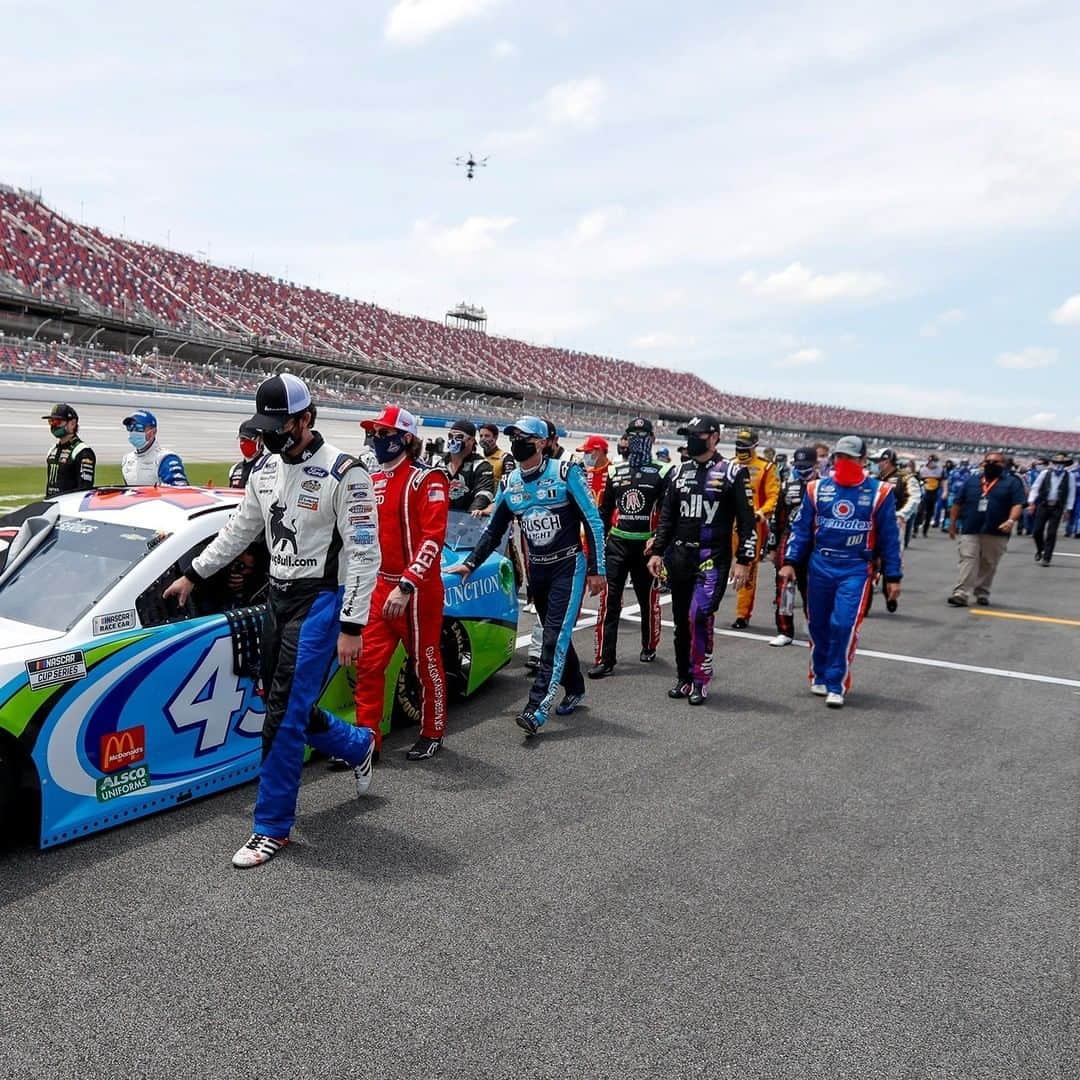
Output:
x=757 y=888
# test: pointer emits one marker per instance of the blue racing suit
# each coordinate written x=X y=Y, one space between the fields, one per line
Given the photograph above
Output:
x=841 y=530
x=552 y=503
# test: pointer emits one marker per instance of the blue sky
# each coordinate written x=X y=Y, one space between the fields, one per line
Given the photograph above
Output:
x=867 y=204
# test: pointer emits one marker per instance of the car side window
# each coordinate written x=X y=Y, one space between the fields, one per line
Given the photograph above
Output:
x=242 y=583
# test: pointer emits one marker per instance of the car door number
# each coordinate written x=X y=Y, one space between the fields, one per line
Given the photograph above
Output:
x=211 y=697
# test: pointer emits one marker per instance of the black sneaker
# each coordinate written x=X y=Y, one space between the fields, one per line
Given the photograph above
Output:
x=699 y=694
x=982 y=601
x=740 y=624
x=1046 y=560
x=647 y=656
x=598 y=671
x=891 y=606
x=680 y=690
x=527 y=722
x=957 y=601
x=1038 y=556
x=569 y=703
x=423 y=748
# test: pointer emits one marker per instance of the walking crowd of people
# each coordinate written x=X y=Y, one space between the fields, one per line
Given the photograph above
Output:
x=359 y=568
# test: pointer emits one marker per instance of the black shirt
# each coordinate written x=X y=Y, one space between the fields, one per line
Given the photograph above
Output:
x=69 y=466
x=472 y=487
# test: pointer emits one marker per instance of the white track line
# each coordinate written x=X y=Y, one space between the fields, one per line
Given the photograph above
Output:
x=631 y=614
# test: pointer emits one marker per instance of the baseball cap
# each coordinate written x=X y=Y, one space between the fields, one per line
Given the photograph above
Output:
x=1062 y=459
x=746 y=437
x=278 y=398
x=805 y=455
x=144 y=418
x=699 y=425
x=887 y=454
x=529 y=425
x=393 y=416
x=466 y=427
x=663 y=454
x=850 y=446
x=640 y=425
x=594 y=442
x=61 y=412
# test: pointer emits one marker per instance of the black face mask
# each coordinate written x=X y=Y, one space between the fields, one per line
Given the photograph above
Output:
x=696 y=445
x=278 y=442
x=522 y=449
x=993 y=469
x=387 y=447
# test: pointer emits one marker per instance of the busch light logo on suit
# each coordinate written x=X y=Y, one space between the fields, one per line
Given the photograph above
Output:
x=540 y=527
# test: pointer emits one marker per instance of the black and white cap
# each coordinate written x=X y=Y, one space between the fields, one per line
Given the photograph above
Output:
x=850 y=446
x=276 y=400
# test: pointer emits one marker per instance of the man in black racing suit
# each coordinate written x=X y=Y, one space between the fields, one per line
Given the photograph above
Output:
x=629 y=506
x=706 y=498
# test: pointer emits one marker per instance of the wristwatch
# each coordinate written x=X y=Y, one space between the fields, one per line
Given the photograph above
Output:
x=406 y=586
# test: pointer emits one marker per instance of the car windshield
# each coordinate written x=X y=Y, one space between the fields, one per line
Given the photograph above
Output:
x=463 y=531
x=79 y=562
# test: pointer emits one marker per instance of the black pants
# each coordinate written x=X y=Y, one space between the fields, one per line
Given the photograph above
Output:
x=1047 y=520
x=627 y=558
x=557 y=591
x=926 y=510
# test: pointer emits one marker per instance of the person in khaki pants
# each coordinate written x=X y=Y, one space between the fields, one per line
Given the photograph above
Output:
x=987 y=509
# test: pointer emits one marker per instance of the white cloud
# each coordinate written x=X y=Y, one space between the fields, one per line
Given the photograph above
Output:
x=473 y=235
x=1069 y=312
x=596 y=222
x=939 y=322
x=800 y=358
x=1028 y=359
x=504 y=50
x=411 y=21
x=663 y=341
x=798 y=284
x=1039 y=420
x=575 y=104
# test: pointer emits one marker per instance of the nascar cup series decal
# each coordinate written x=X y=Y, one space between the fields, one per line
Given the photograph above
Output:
x=64 y=667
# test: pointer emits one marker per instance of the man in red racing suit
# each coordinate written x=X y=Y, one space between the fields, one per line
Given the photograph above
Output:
x=407 y=604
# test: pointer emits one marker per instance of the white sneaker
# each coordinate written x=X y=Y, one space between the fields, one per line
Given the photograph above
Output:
x=257 y=850
x=780 y=640
x=819 y=688
x=834 y=700
x=364 y=770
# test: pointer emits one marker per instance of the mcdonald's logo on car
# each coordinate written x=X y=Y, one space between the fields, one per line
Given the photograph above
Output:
x=119 y=749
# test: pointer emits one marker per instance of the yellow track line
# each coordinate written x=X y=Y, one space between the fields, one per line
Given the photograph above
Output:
x=1026 y=618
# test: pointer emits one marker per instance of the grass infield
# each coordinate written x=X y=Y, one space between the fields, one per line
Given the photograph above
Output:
x=21 y=483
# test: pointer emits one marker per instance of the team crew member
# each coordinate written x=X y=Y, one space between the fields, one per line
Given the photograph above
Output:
x=629 y=509
x=704 y=498
x=987 y=508
x=150 y=463
x=500 y=460
x=252 y=454
x=930 y=476
x=1051 y=498
x=844 y=523
x=69 y=465
x=316 y=509
x=765 y=490
x=907 y=497
x=803 y=470
x=551 y=500
x=472 y=481
x=408 y=602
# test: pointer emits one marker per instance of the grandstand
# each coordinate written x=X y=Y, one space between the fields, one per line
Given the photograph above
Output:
x=60 y=278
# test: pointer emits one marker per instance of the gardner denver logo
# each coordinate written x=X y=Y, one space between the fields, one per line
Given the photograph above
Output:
x=119 y=749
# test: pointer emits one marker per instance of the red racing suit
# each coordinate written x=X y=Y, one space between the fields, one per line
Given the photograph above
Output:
x=413 y=501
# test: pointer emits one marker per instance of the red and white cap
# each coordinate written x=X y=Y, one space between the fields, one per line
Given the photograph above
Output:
x=396 y=417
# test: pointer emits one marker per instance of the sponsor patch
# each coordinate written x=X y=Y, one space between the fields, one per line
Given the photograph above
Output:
x=74 y=525
x=62 y=668
x=362 y=519
x=436 y=494
x=116 y=785
x=121 y=749
x=364 y=537
x=843 y=508
x=311 y=485
x=116 y=620
x=307 y=502
x=315 y=470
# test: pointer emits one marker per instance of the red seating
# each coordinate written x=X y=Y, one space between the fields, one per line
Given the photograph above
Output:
x=45 y=255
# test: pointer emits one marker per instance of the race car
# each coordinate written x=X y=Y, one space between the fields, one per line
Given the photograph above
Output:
x=115 y=703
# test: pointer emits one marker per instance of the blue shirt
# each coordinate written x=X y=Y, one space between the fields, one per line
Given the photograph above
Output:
x=1006 y=493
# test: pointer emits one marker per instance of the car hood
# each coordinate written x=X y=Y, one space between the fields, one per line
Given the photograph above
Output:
x=19 y=638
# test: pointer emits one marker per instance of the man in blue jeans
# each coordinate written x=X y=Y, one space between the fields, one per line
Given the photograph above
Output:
x=987 y=509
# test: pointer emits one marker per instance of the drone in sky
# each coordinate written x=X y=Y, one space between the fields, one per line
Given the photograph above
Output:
x=470 y=165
